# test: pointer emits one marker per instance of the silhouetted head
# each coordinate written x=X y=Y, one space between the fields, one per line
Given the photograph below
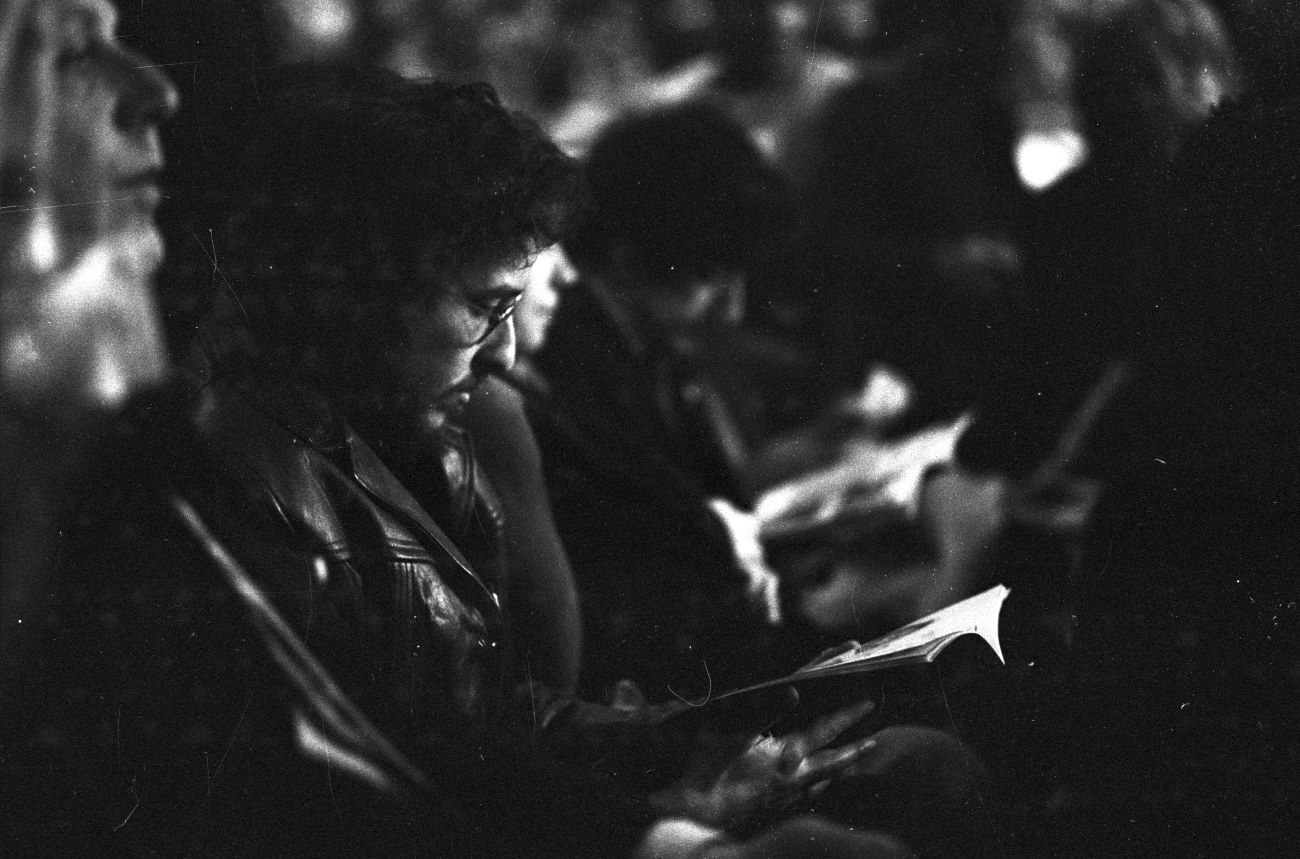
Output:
x=685 y=208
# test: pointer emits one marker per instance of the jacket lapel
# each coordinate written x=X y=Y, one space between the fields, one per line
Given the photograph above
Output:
x=305 y=413
x=380 y=484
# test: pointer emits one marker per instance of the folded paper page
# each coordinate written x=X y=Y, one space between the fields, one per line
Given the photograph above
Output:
x=917 y=643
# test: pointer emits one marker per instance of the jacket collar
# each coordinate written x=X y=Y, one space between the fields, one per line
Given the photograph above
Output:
x=364 y=465
x=229 y=354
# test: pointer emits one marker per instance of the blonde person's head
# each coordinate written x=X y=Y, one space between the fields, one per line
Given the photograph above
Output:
x=80 y=165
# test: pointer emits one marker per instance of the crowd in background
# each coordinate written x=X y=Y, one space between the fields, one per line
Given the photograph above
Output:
x=1058 y=235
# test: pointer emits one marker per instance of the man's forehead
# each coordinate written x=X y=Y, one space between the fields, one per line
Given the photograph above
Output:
x=499 y=277
x=95 y=15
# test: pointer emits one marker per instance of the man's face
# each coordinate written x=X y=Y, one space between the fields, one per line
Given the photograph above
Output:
x=441 y=364
x=81 y=329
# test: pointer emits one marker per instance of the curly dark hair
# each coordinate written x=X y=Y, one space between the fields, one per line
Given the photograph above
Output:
x=355 y=194
x=353 y=176
x=685 y=191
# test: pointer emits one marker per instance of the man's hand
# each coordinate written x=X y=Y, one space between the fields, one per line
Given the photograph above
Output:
x=734 y=778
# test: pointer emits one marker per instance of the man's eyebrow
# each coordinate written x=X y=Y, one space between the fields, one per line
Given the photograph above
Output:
x=496 y=290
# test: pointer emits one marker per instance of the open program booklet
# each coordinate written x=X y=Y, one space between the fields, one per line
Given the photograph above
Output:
x=874 y=483
x=917 y=643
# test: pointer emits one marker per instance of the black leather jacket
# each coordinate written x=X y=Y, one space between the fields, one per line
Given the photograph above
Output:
x=411 y=630
x=157 y=720
x=375 y=586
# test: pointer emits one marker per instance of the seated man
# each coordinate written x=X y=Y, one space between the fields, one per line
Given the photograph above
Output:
x=380 y=242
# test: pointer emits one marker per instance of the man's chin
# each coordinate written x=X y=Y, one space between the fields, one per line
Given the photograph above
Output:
x=434 y=419
x=421 y=410
x=444 y=412
x=136 y=251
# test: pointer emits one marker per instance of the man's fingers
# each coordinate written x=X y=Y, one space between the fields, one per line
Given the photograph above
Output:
x=827 y=728
x=627 y=696
x=800 y=744
x=820 y=766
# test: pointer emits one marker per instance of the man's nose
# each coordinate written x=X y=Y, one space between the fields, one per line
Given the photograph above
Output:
x=497 y=353
x=148 y=96
x=566 y=273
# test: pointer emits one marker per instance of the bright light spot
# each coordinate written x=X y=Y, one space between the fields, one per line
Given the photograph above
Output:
x=765 y=140
x=1044 y=158
x=1210 y=89
x=886 y=395
x=315 y=743
x=22 y=352
x=100 y=324
x=110 y=381
x=325 y=24
x=42 y=245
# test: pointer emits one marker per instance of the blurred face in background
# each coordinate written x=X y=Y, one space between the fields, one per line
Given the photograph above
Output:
x=683 y=312
x=80 y=183
x=549 y=277
x=687 y=312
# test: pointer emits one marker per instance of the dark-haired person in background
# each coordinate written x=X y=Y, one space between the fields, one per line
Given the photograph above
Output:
x=636 y=437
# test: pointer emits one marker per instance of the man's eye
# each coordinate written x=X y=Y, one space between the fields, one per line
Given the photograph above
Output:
x=74 y=53
x=497 y=306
